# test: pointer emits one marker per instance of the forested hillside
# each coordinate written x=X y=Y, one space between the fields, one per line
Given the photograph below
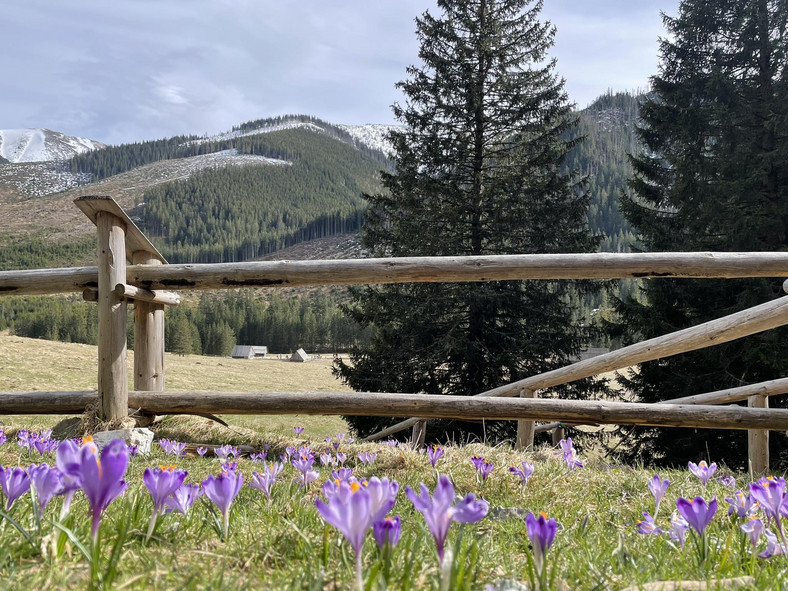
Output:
x=233 y=214
x=608 y=129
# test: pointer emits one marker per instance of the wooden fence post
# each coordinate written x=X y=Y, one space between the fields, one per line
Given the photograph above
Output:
x=758 y=439
x=148 y=339
x=525 y=429
x=419 y=434
x=112 y=378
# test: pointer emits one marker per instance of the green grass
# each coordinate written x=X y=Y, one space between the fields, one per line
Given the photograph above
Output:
x=286 y=545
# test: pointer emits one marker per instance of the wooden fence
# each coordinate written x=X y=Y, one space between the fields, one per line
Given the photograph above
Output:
x=113 y=283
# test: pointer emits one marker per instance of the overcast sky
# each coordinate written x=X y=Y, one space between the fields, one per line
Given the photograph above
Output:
x=130 y=70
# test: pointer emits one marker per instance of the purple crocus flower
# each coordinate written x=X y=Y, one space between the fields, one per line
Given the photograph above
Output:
x=569 y=454
x=435 y=453
x=439 y=510
x=753 y=527
x=3 y=438
x=161 y=482
x=703 y=471
x=770 y=494
x=15 y=482
x=298 y=431
x=222 y=489
x=524 y=472
x=773 y=546
x=741 y=504
x=477 y=462
x=101 y=477
x=46 y=482
x=485 y=470
x=67 y=460
x=259 y=457
x=387 y=531
x=678 y=528
x=304 y=465
x=657 y=486
x=648 y=526
x=228 y=466
x=178 y=448
x=183 y=498
x=727 y=481
x=44 y=446
x=23 y=438
x=697 y=513
x=226 y=451
x=541 y=532
x=349 y=510
x=341 y=458
x=326 y=459
x=383 y=495
x=134 y=450
x=342 y=473
x=367 y=457
x=265 y=480
x=201 y=451
x=165 y=445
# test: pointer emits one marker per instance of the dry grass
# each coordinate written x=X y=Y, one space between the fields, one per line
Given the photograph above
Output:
x=28 y=365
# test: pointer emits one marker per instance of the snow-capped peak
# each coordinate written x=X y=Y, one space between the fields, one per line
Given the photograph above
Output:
x=42 y=145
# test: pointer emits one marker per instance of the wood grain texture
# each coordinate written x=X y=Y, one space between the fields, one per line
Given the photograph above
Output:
x=769 y=388
x=758 y=439
x=91 y=205
x=112 y=367
x=525 y=429
x=407 y=270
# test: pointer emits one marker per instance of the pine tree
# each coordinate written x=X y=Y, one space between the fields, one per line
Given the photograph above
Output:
x=713 y=176
x=477 y=172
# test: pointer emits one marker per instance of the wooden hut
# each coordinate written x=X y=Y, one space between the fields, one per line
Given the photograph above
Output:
x=249 y=352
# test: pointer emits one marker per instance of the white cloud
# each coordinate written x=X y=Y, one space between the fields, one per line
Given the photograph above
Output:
x=130 y=70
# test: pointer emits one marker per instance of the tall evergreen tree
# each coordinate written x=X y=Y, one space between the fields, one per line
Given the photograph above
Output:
x=477 y=172
x=713 y=176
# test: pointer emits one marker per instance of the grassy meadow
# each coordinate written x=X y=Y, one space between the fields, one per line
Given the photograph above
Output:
x=285 y=544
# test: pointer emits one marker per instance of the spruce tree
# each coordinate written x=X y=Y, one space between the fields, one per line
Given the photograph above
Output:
x=477 y=172
x=713 y=176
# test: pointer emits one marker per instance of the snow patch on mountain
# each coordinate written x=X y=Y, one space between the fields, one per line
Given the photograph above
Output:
x=372 y=135
x=36 y=179
x=231 y=135
x=42 y=145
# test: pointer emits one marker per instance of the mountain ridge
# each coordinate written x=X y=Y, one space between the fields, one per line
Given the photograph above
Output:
x=42 y=145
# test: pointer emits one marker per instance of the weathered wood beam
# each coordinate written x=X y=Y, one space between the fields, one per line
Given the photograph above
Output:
x=148 y=337
x=137 y=294
x=409 y=269
x=722 y=330
x=758 y=439
x=46 y=403
x=458 y=407
x=769 y=388
x=168 y=298
x=387 y=404
x=525 y=429
x=112 y=381
x=136 y=241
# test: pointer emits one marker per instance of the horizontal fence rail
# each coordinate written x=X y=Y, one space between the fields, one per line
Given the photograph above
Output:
x=425 y=405
x=408 y=270
x=728 y=328
x=770 y=388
